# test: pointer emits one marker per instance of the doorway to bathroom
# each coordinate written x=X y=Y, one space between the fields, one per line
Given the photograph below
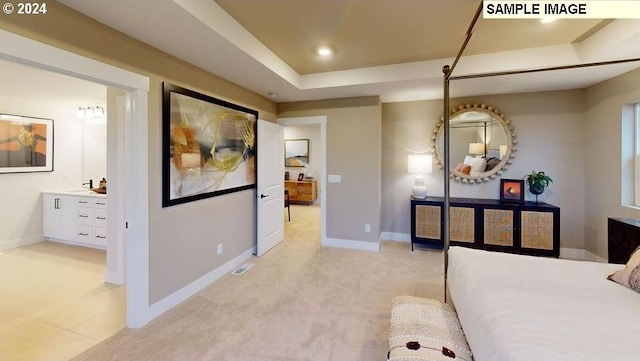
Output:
x=55 y=297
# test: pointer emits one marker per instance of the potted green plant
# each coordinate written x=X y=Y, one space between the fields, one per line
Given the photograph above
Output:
x=537 y=182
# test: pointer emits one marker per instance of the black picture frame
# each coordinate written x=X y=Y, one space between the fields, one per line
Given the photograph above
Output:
x=209 y=146
x=300 y=176
x=512 y=190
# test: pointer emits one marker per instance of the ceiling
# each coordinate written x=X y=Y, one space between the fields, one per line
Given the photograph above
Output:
x=391 y=48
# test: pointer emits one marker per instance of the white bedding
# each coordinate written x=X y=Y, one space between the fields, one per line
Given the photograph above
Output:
x=516 y=308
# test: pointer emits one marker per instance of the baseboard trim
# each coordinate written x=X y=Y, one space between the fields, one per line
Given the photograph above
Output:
x=19 y=242
x=114 y=278
x=594 y=257
x=398 y=237
x=72 y=243
x=352 y=244
x=580 y=254
x=194 y=287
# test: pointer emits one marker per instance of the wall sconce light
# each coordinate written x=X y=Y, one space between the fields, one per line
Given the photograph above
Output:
x=98 y=112
x=419 y=164
x=90 y=112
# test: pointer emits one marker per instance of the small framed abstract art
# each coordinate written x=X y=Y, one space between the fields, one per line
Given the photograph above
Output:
x=26 y=144
x=512 y=190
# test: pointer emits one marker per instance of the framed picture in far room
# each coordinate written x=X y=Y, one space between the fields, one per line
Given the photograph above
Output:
x=300 y=176
x=296 y=152
x=512 y=190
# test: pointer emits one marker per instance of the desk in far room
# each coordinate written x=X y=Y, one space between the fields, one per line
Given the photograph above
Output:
x=302 y=192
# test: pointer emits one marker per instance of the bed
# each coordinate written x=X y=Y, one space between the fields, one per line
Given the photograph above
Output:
x=515 y=308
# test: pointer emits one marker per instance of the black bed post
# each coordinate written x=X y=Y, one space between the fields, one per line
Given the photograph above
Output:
x=447 y=72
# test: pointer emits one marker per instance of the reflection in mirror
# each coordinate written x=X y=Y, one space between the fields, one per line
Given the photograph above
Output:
x=482 y=146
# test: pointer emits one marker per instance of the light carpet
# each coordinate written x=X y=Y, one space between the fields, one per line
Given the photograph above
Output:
x=299 y=302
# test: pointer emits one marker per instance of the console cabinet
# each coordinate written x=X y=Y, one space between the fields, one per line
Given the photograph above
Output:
x=304 y=192
x=525 y=228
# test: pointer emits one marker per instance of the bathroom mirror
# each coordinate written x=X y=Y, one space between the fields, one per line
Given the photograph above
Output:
x=94 y=150
x=482 y=143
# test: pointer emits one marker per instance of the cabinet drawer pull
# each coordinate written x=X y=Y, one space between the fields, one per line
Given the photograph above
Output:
x=101 y=218
x=83 y=234
x=83 y=216
x=83 y=202
x=100 y=203
x=101 y=237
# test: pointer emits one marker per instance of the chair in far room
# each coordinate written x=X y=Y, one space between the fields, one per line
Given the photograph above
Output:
x=286 y=203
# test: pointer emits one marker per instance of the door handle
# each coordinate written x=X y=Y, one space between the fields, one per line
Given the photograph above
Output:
x=263 y=196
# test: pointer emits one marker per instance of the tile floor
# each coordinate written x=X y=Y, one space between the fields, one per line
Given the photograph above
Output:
x=54 y=303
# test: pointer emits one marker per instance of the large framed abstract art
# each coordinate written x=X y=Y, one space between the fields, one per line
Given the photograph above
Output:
x=26 y=144
x=209 y=146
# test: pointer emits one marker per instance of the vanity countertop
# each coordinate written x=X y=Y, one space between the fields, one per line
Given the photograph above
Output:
x=80 y=192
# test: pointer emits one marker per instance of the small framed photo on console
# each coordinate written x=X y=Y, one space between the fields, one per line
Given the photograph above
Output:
x=512 y=190
x=300 y=176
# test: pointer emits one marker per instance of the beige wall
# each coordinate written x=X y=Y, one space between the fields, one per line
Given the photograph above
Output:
x=551 y=138
x=604 y=166
x=353 y=151
x=183 y=238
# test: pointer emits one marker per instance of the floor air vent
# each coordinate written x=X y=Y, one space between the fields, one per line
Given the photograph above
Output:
x=242 y=269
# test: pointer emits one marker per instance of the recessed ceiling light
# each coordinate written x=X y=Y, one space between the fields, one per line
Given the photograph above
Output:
x=324 y=51
x=273 y=95
x=548 y=20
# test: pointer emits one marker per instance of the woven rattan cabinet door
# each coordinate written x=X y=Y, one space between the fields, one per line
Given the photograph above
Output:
x=428 y=222
x=462 y=224
x=536 y=230
x=498 y=227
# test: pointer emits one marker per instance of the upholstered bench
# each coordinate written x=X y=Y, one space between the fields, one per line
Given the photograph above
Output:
x=423 y=329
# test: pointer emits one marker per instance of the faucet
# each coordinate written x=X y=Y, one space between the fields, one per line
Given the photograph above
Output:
x=90 y=183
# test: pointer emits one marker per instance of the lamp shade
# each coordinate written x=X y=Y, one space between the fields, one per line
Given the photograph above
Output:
x=476 y=148
x=503 y=150
x=420 y=163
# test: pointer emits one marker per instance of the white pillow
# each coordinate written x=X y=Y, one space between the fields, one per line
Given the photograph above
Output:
x=468 y=160
x=478 y=165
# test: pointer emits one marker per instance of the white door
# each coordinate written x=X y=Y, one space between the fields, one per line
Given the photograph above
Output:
x=270 y=193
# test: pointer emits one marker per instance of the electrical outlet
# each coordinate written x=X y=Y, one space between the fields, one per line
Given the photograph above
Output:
x=219 y=248
x=367 y=228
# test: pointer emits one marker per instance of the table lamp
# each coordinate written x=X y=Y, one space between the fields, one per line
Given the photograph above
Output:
x=477 y=148
x=419 y=164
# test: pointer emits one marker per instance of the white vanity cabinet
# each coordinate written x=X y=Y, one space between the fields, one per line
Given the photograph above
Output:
x=75 y=218
x=52 y=216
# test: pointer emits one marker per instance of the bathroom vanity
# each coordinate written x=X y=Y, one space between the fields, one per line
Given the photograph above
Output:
x=76 y=217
